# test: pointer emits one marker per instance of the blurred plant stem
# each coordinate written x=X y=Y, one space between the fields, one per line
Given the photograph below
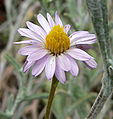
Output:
x=51 y=96
x=98 y=13
x=13 y=27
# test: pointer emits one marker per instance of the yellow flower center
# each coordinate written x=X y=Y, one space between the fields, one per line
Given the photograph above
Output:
x=57 y=40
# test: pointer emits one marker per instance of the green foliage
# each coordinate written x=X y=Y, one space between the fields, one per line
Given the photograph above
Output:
x=72 y=9
x=35 y=96
x=79 y=92
x=10 y=103
x=15 y=64
x=5 y=116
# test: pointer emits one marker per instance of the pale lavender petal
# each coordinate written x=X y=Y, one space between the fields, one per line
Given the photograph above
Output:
x=27 y=42
x=50 y=20
x=28 y=33
x=84 y=46
x=77 y=33
x=79 y=54
x=50 y=67
x=57 y=19
x=74 y=67
x=39 y=66
x=88 y=40
x=27 y=50
x=27 y=66
x=67 y=28
x=43 y=22
x=36 y=55
x=91 y=63
x=83 y=39
x=64 y=62
x=36 y=29
x=60 y=74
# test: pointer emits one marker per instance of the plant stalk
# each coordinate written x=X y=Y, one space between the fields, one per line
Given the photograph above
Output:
x=51 y=96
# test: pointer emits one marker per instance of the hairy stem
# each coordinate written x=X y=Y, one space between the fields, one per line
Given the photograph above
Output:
x=98 y=13
x=96 y=102
x=51 y=96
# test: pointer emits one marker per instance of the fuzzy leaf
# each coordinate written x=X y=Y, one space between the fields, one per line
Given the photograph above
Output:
x=10 y=103
x=15 y=64
x=36 y=96
x=5 y=116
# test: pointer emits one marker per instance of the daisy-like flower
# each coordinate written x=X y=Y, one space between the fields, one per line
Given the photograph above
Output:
x=51 y=48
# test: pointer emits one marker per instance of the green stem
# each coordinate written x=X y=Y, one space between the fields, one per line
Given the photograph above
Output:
x=51 y=96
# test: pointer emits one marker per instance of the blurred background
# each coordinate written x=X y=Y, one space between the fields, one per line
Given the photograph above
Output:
x=72 y=100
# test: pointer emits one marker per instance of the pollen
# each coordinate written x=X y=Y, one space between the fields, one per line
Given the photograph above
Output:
x=57 y=40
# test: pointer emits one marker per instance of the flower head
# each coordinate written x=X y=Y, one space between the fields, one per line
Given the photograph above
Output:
x=51 y=48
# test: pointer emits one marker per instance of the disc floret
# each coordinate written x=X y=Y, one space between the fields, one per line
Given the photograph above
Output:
x=57 y=40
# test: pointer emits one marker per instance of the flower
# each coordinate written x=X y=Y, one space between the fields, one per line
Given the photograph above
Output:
x=51 y=48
